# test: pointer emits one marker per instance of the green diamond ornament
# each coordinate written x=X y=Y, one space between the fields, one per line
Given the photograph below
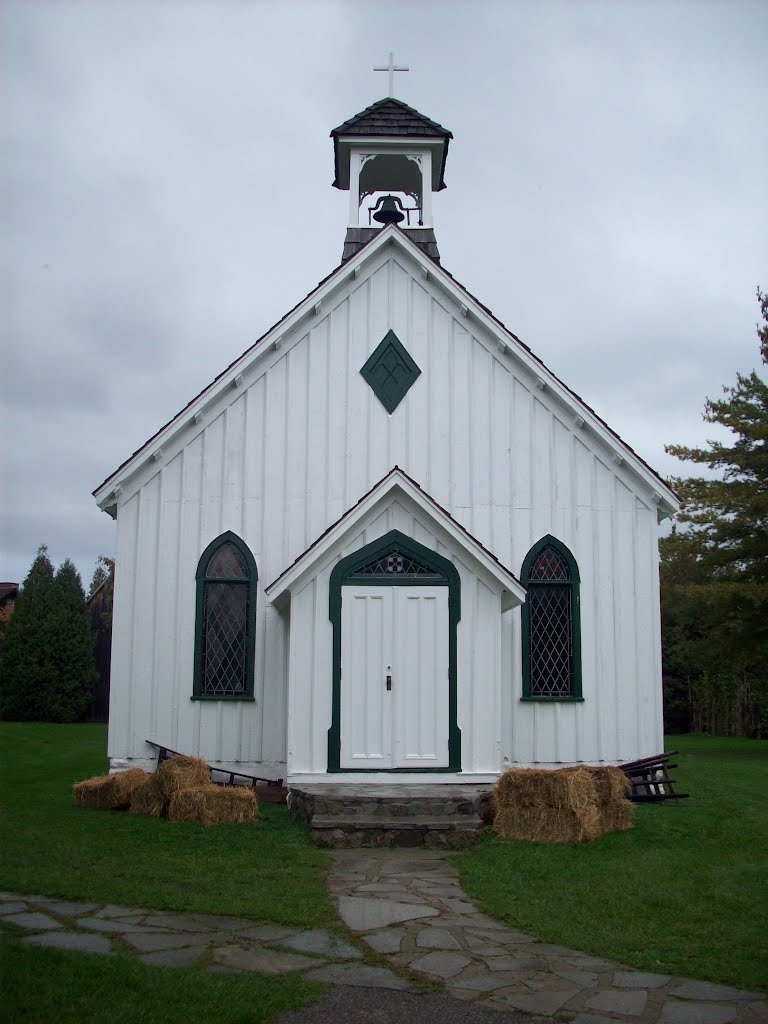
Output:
x=390 y=371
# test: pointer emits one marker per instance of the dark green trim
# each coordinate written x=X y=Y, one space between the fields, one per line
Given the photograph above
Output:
x=250 y=613
x=530 y=558
x=450 y=578
x=390 y=391
x=551 y=700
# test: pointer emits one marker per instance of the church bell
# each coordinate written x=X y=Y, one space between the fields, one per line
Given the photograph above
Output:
x=389 y=210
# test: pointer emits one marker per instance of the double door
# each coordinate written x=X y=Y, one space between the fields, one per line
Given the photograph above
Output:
x=394 y=677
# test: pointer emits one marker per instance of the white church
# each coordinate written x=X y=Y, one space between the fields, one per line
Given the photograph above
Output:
x=386 y=544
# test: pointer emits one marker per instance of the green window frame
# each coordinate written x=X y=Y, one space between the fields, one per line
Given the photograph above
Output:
x=551 y=624
x=225 y=621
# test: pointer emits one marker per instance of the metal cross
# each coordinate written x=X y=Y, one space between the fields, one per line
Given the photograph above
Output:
x=391 y=68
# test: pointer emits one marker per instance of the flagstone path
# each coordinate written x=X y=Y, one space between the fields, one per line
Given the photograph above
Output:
x=406 y=906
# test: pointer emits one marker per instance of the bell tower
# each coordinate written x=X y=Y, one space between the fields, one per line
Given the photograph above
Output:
x=391 y=159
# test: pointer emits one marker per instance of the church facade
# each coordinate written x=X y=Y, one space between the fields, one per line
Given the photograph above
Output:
x=387 y=543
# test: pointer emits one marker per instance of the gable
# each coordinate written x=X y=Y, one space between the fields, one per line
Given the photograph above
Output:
x=300 y=392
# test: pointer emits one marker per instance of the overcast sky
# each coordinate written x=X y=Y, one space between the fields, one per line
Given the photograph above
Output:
x=165 y=187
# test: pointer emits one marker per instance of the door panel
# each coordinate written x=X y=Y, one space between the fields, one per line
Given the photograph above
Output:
x=421 y=681
x=366 y=705
x=400 y=632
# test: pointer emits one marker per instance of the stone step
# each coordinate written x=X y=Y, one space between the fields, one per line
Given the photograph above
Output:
x=445 y=822
x=383 y=802
x=448 y=832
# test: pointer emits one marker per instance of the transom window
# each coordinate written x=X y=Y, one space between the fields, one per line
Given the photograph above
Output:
x=395 y=564
x=551 y=641
x=226 y=610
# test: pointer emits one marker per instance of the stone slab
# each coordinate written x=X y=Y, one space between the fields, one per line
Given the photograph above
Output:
x=538 y=1002
x=34 y=921
x=360 y=975
x=217 y=921
x=71 y=940
x=639 y=979
x=16 y=907
x=268 y=933
x=705 y=990
x=266 y=961
x=681 y=1012
x=437 y=938
x=177 y=923
x=68 y=908
x=441 y=964
x=107 y=924
x=10 y=896
x=592 y=1018
x=173 y=957
x=480 y=983
x=460 y=906
x=508 y=963
x=323 y=943
x=388 y=941
x=153 y=942
x=111 y=910
x=630 y=1003
x=363 y=915
x=584 y=979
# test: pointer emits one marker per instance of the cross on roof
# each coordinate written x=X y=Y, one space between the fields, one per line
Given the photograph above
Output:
x=391 y=68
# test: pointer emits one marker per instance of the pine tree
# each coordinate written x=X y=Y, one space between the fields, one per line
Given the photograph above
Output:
x=25 y=669
x=719 y=589
x=70 y=688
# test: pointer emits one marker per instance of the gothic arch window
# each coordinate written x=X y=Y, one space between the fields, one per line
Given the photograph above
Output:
x=225 y=619
x=551 y=623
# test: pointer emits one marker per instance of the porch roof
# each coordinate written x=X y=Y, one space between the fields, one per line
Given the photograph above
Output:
x=395 y=481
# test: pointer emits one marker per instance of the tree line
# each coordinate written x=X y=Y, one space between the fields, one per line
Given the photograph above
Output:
x=714 y=570
x=47 y=663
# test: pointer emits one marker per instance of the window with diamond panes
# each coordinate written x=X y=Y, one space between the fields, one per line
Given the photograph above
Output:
x=226 y=610
x=551 y=641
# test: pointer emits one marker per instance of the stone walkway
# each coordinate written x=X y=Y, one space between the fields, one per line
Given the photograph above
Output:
x=408 y=905
x=404 y=908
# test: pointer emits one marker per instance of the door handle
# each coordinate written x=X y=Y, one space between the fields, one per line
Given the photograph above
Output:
x=389 y=682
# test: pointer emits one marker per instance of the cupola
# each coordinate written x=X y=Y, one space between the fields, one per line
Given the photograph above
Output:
x=391 y=159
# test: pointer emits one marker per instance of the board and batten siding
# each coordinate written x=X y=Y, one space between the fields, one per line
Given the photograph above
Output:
x=286 y=454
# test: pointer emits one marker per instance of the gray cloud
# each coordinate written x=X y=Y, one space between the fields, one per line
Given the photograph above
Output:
x=165 y=191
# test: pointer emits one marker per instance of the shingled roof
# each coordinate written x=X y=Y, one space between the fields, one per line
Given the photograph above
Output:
x=391 y=118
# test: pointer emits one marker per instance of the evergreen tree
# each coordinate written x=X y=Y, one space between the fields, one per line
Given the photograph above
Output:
x=25 y=668
x=104 y=571
x=715 y=573
x=70 y=688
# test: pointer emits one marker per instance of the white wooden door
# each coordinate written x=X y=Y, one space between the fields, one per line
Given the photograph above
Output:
x=394 y=677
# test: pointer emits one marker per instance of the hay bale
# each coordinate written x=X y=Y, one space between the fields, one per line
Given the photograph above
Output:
x=148 y=799
x=549 y=824
x=214 y=805
x=611 y=784
x=109 y=792
x=180 y=773
x=562 y=788
x=617 y=817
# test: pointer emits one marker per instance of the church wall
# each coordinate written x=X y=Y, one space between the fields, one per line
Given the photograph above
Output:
x=302 y=440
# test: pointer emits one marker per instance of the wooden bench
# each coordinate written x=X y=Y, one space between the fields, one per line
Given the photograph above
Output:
x=270 y=790
x=650 y=778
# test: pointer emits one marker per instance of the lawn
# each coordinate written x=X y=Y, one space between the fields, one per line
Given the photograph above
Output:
x=268 y=872
x=45 y=985
x=684 y=892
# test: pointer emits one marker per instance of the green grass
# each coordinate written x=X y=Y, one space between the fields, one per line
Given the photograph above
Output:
x=70 y=988
x=268 y=872
x=684 y=892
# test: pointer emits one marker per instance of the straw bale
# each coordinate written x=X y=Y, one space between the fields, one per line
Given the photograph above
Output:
x=109 y=792
x=617 y=817
x=611 y=784
x=562 y=788
x=148 y=799
x=549 y=824
x=214 y=805
x=180 y=773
